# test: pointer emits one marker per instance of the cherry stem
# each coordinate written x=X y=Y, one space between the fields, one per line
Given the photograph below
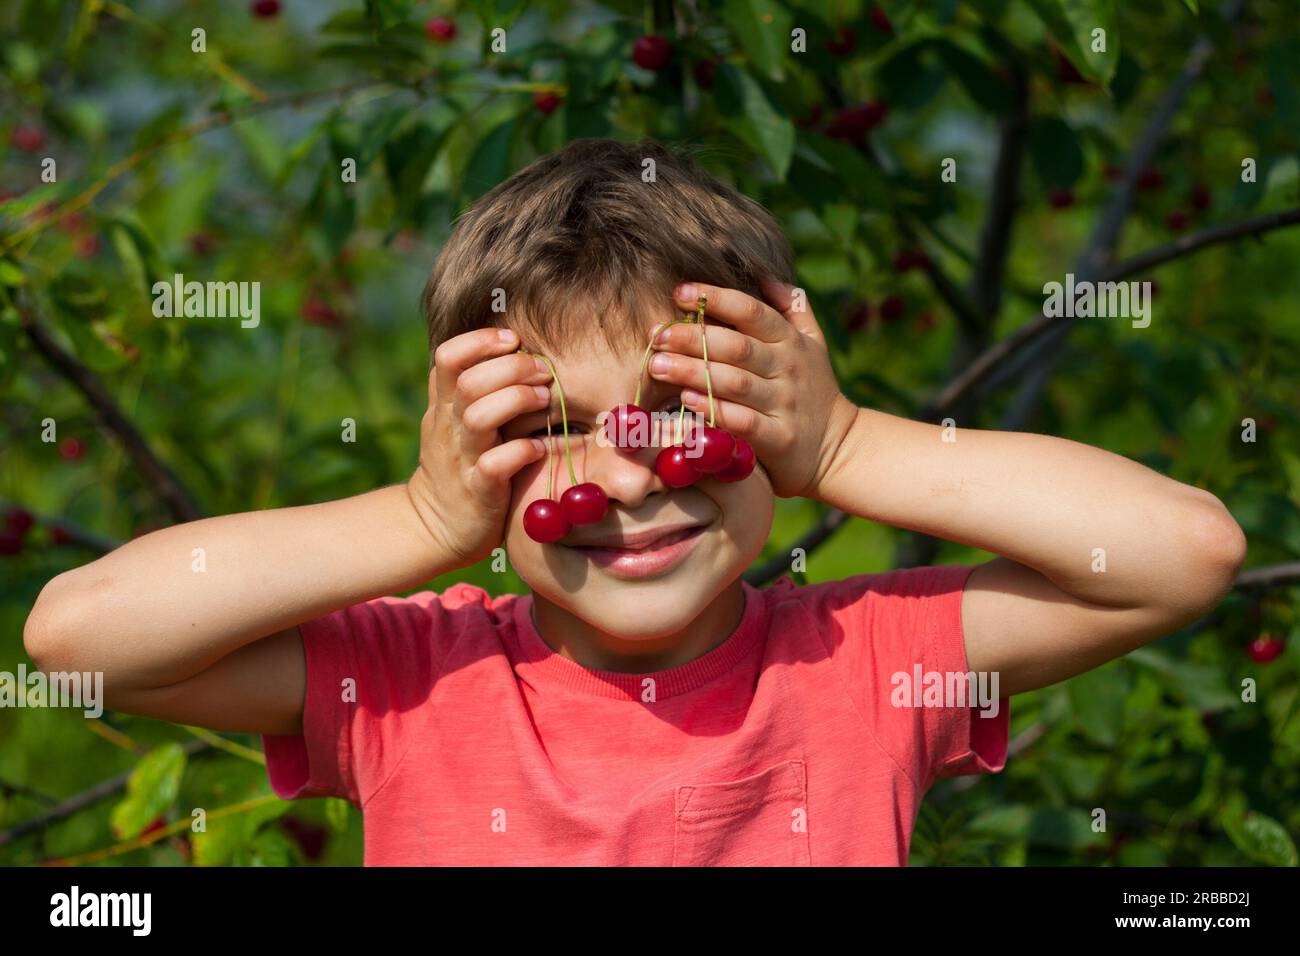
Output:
x=549 y=470
x=645 y=359
x=704 y=346
x=564 y=418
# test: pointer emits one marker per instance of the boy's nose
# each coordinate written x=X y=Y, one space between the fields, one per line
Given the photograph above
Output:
x=627 y=476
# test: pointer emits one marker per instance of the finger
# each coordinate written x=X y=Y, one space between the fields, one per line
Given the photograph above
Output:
x=460 y=352
x=727 y=380
x=481 y=420
x=500 y=463
x=741 y=420
x=726 y=345
x=498 y=373
x=746 y=313
x=792 y=302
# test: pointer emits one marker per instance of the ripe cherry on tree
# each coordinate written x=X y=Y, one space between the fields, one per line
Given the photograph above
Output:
x=651 y=52
x=265 y=9
x=28 y=139
x=1266 y=648
x=18 y=520
x=441 y=29
x=70 y=449
x=546 y=102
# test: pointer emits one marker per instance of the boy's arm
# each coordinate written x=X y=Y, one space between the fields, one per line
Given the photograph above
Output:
x=209 y=636
x=1054 y=509
x=182 y=644
x=1058 y=512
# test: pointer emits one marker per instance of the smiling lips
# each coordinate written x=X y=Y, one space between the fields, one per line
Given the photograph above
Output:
x=642 y=553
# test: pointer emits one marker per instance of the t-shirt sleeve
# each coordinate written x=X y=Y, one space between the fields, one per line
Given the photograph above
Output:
x=370 y=667
x=898 y=642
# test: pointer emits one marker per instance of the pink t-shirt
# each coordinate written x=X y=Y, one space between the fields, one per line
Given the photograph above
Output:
x=467 y=741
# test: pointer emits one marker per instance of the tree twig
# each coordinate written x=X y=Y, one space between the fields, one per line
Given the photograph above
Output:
x=167 y=486
x=1193 y=242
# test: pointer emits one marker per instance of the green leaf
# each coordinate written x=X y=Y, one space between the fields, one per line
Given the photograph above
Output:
x=1097 y=703
x=1200 y=685
x=1072 y=22
x=10 y=274
x=150 y=790
x=749 y=114
x=1258 y=836
x=763 y=29
x=490 y=162
x=1191 y=5
x=336 y=814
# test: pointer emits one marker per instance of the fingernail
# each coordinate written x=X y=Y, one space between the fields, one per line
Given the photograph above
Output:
x=687 y=291
x=538 y=446
x=663 y=337
x=691 y=397
x=660 y=364
x=506 y=335
x=542 y=391
x=541 y=366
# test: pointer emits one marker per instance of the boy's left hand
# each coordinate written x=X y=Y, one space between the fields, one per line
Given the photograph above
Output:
x=773 y=383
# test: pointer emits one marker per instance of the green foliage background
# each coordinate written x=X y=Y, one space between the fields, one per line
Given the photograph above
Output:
x=250 y=418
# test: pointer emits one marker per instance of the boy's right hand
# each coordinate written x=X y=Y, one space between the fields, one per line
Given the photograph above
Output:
x=461 y=489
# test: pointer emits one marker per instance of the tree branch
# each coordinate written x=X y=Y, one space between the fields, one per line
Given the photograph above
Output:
x=1043 y=357
x=79 y=801
x=71 y=532
x=165 y=483
x=1193 y=242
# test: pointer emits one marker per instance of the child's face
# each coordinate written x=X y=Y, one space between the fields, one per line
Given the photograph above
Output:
x=695 y=540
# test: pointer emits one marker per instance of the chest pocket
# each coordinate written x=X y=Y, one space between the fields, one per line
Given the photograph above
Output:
x=760 y=820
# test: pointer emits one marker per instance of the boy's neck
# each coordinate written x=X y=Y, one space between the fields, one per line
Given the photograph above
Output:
x=572 y=637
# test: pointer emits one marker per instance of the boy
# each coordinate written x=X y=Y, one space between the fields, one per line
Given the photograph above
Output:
x=643 y=705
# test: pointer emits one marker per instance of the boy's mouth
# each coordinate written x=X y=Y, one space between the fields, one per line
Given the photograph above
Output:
x=642 y=554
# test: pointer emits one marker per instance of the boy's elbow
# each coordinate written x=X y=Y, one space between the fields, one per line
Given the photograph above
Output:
x=1217 y=549
x=49 y=635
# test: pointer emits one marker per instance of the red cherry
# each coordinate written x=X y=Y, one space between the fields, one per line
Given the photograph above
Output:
x=1150 y=178
x=19 y=520
x=266 y=9
x=584 y=504
x=844 y=42
x=319 y=312
x=154 y=826
x=704 y=73
x=652 y=52
x=10 y=543
x=1266 y=648
x=1201 y=197
x=713 y=451
x=544 y=521
x=546 y=103
x=1177 y=220
x=60 y=535
x=674 y=469
x=859 y=316
x=28 y=138
x=855 y=122
x=442 y=29
x=628 y=426
x=70 y=449
x=1061 y=198
x=741 y=465
x=907 y=259
x=894 y=307
x=880 y=20
x=309 y=837
x=202 y=243
x=87 y=246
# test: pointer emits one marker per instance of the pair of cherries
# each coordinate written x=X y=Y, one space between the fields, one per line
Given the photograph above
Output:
x=715 y=453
